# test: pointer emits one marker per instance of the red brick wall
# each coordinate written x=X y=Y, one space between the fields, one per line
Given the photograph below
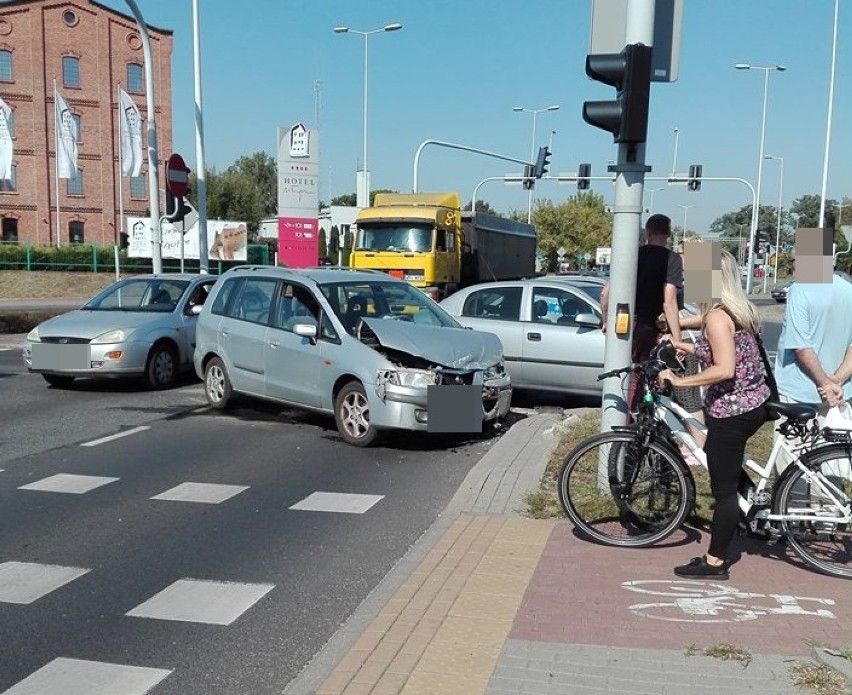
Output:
x=105 y=42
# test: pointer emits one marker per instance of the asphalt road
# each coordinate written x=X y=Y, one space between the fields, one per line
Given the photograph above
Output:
x=290 y=576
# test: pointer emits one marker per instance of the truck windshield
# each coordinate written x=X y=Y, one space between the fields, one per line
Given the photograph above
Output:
x=406 y=238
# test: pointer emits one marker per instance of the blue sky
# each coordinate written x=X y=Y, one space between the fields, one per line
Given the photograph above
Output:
x=458 y=67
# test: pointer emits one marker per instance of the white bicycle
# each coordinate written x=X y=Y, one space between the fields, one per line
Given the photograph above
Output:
x=633 y=487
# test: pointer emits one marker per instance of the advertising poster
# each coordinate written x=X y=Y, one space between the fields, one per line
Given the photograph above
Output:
x=226 y=240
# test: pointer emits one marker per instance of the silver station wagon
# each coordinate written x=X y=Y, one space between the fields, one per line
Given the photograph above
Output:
x=141 y=326
x=373 y=351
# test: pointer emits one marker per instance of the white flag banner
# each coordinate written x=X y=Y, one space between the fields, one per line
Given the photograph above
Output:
x=131 y=135
x=66 y=139
x=5 y=141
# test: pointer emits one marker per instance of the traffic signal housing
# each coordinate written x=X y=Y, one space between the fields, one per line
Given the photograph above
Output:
x=529 y=181
x=583 y=175
x=630 y=73
x=176 y=208
x=542 y=162
x=694 y=181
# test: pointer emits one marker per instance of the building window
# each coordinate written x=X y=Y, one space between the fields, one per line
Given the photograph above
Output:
x=70 y=71
x=10 y=230
x=75 y=185
x=69 y=18
x=6 y=66
x=137 y=187
x=10 y=185
x=135 y=82
x=77 y=124
x=75 y=232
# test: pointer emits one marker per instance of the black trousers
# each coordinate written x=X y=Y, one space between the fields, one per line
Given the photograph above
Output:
x=725 y=447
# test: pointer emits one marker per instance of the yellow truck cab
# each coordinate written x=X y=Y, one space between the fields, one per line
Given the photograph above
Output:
x=426 y=239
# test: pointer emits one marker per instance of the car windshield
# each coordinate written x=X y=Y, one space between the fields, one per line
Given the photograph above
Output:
x=406 y=238
x=139 y=294
x=385 y=300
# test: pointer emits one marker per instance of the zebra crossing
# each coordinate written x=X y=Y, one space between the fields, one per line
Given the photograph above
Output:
x=206 y=601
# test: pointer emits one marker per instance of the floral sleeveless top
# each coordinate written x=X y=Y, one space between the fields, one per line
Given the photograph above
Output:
x=747 y=390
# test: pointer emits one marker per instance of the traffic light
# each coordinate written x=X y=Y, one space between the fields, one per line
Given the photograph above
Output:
x=630 y=73
x=529 y=181
x=694 y=182
x=583 y=176
x=542 y=162
x=176 y=208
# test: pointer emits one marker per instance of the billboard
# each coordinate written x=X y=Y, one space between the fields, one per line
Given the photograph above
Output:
x=226 y=240
x=298 y=196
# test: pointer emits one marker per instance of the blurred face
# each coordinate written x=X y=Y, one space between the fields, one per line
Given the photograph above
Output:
x=814 y=249
x=702 y=271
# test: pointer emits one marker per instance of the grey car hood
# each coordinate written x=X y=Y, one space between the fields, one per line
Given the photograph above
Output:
x=90 y=324
x=457 y=348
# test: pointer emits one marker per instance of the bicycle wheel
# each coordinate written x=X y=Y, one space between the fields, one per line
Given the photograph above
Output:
x=820 y=531
x=620 y=492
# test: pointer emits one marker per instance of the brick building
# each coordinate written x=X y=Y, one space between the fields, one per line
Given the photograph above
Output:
x=88 y=49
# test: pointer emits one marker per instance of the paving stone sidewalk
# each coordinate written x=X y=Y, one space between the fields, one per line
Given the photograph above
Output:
x=488 y=602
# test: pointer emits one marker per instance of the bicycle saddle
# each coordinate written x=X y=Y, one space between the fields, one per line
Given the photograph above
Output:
x=798 y=412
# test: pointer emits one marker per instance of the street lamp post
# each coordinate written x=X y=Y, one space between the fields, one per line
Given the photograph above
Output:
x=778 y=231
x=828 y=124
x=756 y=213
x=653 y=191
x=363 y=192
x=534 y=112
x=685 y=210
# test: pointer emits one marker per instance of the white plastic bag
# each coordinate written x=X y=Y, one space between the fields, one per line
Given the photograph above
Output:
x=839 y=417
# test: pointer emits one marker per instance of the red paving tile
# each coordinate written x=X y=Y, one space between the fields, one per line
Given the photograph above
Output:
x=583 y=593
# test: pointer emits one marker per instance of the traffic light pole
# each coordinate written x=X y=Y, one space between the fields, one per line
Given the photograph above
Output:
x=629 y=183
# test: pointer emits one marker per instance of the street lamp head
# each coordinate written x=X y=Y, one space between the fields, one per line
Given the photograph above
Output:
x=340 y=30
x=742 y=66
x=393 y=27
x=780 y=68
x=555 y=107
x=517 y=108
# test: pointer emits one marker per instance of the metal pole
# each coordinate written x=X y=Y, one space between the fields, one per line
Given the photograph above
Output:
x=120 y=172
x=756 y=212
x=778 y=231
x=201 y=180
x=153 y=162
x=56 y=141
x=674 y=158
x=365 y=186
x=532 y=158
x=454 y=146
x=828 y=124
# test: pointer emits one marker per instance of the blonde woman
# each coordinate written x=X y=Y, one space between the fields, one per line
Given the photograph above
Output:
x=734 y=400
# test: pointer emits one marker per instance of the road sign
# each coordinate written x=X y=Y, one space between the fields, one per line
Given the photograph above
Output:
x=177 y=175
x=561 y=251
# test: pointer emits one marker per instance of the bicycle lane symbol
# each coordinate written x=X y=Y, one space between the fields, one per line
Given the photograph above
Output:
x=705 y=602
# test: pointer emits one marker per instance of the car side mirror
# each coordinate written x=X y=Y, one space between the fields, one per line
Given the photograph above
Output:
x=588 y=320
x=195 y=309
x=306 y=330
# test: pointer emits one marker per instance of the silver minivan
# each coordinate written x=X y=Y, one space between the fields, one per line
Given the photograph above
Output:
x=359 y=345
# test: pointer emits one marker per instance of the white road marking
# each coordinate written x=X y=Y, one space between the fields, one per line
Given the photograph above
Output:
x=337 y=502
x=25 y=582
x=69 y=483
x=118 y=435
x=78 y=677
x=206 y=493
x=199 y=601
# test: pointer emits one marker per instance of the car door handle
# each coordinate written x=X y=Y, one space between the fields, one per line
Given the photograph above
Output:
x=274 y=343
x=534 y=336
x=224 y=334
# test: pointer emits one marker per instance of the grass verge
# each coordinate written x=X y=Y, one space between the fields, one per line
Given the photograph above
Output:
x=543 y=502
x=818 y=679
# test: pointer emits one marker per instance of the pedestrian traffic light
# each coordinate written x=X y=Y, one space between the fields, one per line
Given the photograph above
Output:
x=583 y=176
x=694 y=182
x=529 y=181
x=630 y=73
x=542 y=162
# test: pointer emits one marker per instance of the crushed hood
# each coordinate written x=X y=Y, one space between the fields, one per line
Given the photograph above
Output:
x=456 y=348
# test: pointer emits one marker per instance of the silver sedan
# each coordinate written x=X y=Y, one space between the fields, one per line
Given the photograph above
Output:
x=549 y=328
x=141 y=326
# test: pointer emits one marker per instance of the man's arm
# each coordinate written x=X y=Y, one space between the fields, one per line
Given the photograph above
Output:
x=844 y=372
x=604 y=303
x=670 y=309
x=830 y=390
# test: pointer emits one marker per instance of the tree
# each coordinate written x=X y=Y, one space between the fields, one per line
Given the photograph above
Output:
x=736 y=225
x=482 y=206
x=323 y=246
x=349 y=200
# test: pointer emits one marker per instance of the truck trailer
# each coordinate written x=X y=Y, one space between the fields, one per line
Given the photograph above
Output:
x=426 y=239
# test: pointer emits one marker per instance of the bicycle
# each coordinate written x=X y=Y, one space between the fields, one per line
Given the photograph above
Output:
x=632 y=486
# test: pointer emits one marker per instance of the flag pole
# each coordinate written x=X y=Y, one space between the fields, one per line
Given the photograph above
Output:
x=56 y=140
x=120 y=169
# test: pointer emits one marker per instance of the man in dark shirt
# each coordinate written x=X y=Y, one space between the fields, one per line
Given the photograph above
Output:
x=659 y=275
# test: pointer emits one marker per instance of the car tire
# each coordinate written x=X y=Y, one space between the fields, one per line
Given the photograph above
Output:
x=58 y=380
x=217 y=384
x=161 y=369
x=352 y=415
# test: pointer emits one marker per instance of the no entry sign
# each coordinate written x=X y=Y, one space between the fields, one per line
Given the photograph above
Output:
x=177 y=175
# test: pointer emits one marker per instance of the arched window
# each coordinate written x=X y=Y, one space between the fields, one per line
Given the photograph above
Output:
x=6 y=66
x=76 y=232
x=135 y=79
x=70 y=71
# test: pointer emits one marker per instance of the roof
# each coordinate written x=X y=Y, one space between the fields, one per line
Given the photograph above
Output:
x=94 y=3
x=319 y=275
